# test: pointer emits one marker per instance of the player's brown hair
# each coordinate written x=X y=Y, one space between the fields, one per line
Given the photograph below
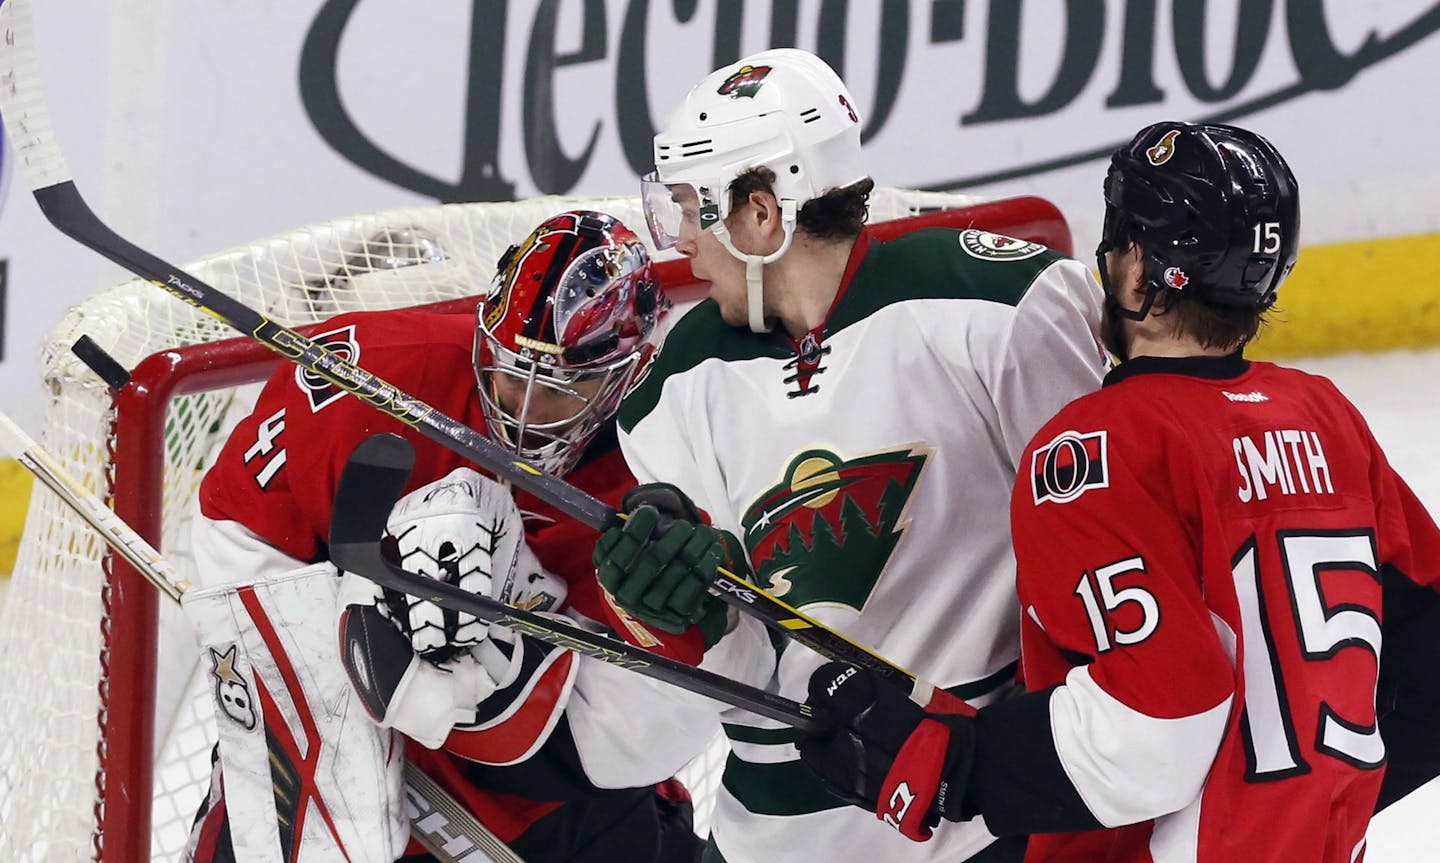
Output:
x=1213 y=325
x=839 y=214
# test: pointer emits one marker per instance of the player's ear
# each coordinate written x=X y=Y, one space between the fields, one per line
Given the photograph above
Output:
x=765 y=214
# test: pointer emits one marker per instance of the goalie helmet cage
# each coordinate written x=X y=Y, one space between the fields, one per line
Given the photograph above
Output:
x=107 y=719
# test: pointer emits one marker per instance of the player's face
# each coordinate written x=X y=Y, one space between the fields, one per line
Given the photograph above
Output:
x=710 y=261
x=684 y=197
x=547 y=405
x=726 y=275
x=1126 y=271
x=1126 y=274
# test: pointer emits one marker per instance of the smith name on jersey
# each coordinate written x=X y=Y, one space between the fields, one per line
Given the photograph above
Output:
x=1204 y=548
x=867 y=467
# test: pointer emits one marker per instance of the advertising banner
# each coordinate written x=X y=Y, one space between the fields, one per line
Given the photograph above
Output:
x=195 y=126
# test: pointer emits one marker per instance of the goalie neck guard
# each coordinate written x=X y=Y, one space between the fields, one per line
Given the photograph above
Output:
x=562 y=333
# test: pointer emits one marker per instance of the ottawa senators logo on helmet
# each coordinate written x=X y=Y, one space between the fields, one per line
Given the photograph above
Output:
x=1163 y=149
x=1215 y=208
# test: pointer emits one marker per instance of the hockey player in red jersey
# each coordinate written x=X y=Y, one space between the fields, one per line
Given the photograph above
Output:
x=555 y=754
x=1206 y=548
x=820 y=408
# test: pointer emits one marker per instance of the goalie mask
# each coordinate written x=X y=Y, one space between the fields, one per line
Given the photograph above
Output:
x=1214 y=209
x=562 y=334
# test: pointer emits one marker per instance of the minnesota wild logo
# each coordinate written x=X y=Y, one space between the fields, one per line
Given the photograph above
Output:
x=824 y=533
x=997 y=247
x=744 y=83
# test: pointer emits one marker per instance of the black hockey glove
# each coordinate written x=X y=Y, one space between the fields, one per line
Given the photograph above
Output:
x=881 y=751
x=660 y=565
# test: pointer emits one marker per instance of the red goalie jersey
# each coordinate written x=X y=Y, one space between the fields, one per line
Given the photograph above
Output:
x=574 y=747
x=1202 y=547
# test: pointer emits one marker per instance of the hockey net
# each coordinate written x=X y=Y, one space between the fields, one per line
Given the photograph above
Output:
x=106 y=725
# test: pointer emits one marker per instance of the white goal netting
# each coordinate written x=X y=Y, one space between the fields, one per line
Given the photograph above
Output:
x=57 y=633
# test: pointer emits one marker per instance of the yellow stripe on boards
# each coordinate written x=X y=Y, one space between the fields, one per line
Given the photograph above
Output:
x=15 y=484
x=1367 y=295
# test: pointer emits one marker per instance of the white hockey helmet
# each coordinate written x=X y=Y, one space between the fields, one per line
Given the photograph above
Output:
x=783 y=109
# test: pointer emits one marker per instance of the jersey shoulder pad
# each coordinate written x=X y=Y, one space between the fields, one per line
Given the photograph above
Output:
x=403 y=347
x=405 y=330
x=942 y=263
x=700 y=335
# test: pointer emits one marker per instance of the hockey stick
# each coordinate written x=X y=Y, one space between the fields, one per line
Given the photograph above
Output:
x=27 y=123
x=370 y=484
x=120 y=536
x=435 y=808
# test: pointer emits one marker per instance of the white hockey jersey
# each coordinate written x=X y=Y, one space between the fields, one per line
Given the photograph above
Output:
x=868 y=470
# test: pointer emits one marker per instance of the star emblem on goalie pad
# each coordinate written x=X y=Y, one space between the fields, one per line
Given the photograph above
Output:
x=232 y=690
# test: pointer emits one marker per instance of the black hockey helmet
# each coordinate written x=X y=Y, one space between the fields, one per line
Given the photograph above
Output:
x=1214 y=209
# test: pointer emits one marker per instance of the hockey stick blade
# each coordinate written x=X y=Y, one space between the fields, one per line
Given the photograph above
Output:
x=28 y=125
x=370 y=484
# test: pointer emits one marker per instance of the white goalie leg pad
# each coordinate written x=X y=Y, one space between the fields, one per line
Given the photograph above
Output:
x=308 y=776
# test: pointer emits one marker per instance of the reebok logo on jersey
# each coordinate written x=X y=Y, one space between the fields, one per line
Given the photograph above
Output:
x=1065 y=468
x=1255 y=396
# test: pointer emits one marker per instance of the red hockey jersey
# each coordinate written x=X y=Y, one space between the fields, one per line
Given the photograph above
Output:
x=1201 y=547
x=311 y=426
x=278 y=472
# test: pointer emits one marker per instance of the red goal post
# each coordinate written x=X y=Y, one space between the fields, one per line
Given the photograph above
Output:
x=107 y=726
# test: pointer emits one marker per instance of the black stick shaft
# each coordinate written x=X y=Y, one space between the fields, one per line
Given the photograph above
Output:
x=373 y=479
x=67 y=210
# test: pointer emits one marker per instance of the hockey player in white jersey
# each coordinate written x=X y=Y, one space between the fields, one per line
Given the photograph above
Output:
x=842 y=418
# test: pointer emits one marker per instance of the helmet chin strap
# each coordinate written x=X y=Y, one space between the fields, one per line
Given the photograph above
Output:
x=1116 y=331
x=755 y=264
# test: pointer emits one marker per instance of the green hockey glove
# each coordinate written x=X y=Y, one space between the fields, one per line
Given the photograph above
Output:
x=659 y=566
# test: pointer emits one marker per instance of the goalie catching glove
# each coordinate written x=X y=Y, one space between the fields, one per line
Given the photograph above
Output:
x=463 y=529
x=659 y=566
x=881 y=751
x=425 y=670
